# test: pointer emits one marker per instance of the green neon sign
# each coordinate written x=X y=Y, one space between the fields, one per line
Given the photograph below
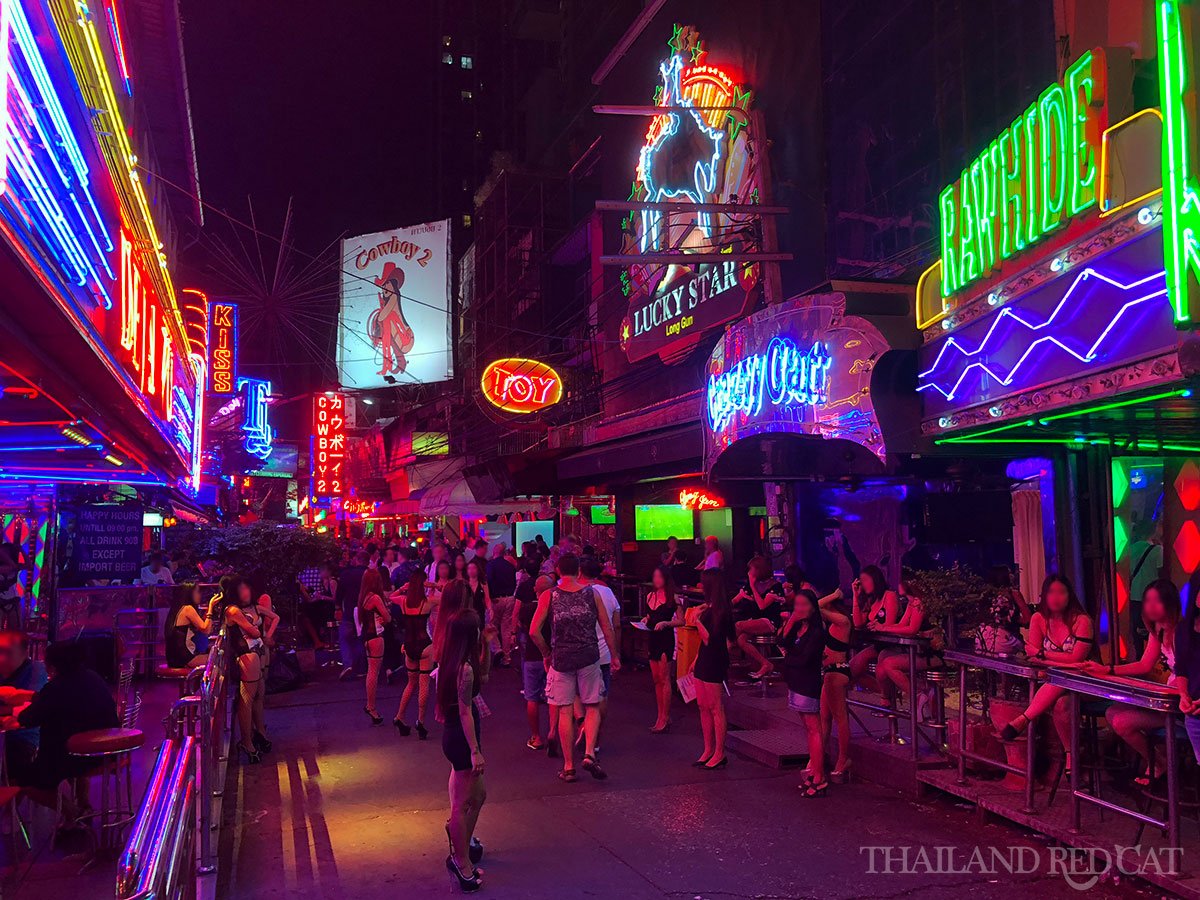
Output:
x=1181 y=196
x=1036 y=175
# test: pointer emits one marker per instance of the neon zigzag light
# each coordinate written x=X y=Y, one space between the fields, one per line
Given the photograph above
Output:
x=704 y=174
x=1008 y=312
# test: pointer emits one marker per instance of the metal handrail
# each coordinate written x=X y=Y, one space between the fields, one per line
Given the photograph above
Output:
x=172 y=839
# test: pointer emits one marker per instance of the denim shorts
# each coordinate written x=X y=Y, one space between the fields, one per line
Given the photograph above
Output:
x=802 y=704
x=533 y=677
x=1192 y=725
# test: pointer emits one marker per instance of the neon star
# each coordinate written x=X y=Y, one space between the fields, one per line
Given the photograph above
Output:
x=675 y=44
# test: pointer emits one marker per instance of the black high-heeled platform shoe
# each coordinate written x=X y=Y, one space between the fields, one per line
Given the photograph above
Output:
x=422 y=731
x=375 y=718
x=261 y=743
x=402 y=727
x=253 y=757
x=467 y=884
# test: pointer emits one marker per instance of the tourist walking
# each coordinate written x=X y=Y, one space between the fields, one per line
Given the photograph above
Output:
x=533 y=666
x=417 y=602
x=502 y=587
x=589 y=572
x=462 y=670
x=373 y=617
x=665 y=615
x=348 y=585
x=711 y=668
x=573 y=609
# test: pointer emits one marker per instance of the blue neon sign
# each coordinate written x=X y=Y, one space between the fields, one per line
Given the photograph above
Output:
x=785 y=376
x=258 y=435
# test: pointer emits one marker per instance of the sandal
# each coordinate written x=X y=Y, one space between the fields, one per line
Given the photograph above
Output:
x=535 y=744
x=467 y=884
x=593 y=768
x=567 y=775
x=813 y=789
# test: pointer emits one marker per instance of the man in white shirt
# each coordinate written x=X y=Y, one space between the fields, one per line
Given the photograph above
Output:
x=156 y=572
x=439 y=553
x=590 y=570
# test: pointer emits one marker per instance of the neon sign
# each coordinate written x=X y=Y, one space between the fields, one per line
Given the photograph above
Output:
x=521 y=385
x=222 y=347
x=785 y=375
x=1075 y=327
x=145 y=333
x=258 y=435
x=1181 y=184
x=1040 y=172
x=329 y=446
x=699 y=500
x=697 y=151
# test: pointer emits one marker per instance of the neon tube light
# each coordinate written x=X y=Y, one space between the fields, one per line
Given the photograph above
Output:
x=1088 y=356
x=785 y=376
x=114 y=32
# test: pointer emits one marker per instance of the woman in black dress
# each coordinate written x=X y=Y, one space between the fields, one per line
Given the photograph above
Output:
x=462 y=669
x=418 y=601
x=711 y=668
x=803 y=643
x=665 y=616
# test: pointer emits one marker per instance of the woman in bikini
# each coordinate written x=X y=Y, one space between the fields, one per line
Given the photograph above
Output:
x=1060 y=633
x=417 y=603
x=373 y=617
x=249 y=628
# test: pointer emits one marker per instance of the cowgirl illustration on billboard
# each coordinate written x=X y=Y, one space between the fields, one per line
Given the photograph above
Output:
x=388 y=328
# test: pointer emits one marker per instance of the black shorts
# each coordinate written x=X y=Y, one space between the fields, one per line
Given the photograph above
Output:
x=454 y=741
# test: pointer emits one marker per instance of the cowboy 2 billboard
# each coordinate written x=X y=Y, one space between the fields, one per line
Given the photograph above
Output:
x=394 y=325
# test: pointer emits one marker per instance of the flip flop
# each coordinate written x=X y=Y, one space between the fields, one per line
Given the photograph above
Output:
x=567 y=775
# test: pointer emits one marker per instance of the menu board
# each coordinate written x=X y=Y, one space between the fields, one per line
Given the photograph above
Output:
x=107 y=542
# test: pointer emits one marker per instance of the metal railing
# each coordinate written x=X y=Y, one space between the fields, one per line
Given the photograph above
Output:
x=172 y=843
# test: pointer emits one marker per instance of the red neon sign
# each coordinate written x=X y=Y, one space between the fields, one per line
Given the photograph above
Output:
x=328 y=446
x=222 y=347
x=521 y=385
x=145 y=337
x=690 y=498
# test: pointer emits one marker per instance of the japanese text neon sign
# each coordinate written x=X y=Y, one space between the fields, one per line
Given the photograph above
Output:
x=329 y=446
x=786 y=375
x=258 y=435
x=1040 y=172
x=521 y=385
x=222 y=347
x=694 y=498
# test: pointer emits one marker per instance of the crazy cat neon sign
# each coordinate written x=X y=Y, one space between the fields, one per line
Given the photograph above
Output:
x=786 y=375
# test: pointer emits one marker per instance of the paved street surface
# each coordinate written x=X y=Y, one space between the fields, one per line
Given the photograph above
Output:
x=341 y=809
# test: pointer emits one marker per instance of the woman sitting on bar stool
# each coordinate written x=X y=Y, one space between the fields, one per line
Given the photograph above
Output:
x=1060 y=632
x=1160 y=614
x=872 y=601
x=184 y=622
x=758 y=609
x=893 y=662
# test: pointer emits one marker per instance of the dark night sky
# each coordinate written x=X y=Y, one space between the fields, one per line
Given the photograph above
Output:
x=326 y=103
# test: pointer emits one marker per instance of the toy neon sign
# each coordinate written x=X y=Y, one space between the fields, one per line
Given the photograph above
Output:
x=699 y=500
x=258 y=435
x=786 y=375
x=222 y=347
x=329 y=446
x=1040 y=172
x=521 y=385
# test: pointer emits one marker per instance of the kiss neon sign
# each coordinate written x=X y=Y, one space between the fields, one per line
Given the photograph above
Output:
x=222 y=347
x=329 y=446
x=786 y=375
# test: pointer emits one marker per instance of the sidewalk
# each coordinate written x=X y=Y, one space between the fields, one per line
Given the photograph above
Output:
x=342 y=809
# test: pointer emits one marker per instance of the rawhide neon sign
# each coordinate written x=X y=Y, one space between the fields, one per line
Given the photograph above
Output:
x=1038 y=173
x=521 y=385
x=698 y=151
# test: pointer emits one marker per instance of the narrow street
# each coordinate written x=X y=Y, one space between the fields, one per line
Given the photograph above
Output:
x=342 y=809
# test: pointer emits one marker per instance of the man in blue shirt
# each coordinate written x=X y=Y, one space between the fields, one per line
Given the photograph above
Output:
x=20 y=677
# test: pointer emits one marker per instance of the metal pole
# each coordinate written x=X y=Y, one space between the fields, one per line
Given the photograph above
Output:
x=1172 y=783
x=1075 y=806
x=962 y=724
x=1030 y=753
x=50 y=568
x=912 y=699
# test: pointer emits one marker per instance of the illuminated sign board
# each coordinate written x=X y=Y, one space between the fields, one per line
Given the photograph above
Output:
x=800 y=367
x=699 y=151
x=1039 y=172
x=430 y=443
x=394 y=325
x=148 y=350
x=694 y=498
x=258 y=435
x=521 y=385
x=222 y=347
x=328 y=446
